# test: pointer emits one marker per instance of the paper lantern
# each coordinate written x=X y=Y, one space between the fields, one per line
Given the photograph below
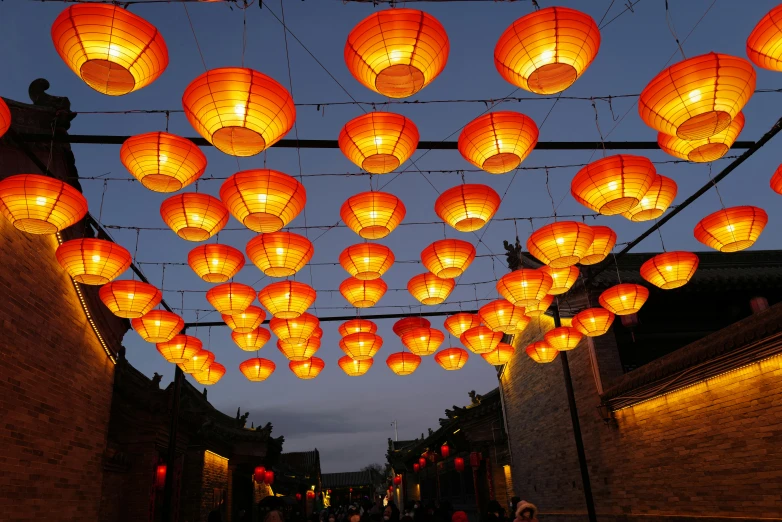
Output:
x=181 y=348
x=39 y=204
x=452 y=359
x=269 y=478
x=480 y=339
x=398 y=479
x=129 y=298
x=111 y=49
x=245 y=321
x=563 y=278
x=498 y=142
x=416 y=467
x=655 y=202
x=198 y=363
x=423 y=341
x=296 y=330
x=257 y=369
x=601 y=246
x=731 y=229
x=547 y=50
x=704 y=150
x=522 y=324
x=670 y=269
x=231 y=298
x=624 y=298
x=403 y=363
x=397 y=52
x=560 y=244
x=317 y=333
x=251 y=341
x=215 y=263
x=298 y=497
x=541 y=352
x=194 y=216
x=92 y=261
x=162 y=162
x=403 y=326
x=361 y=346
x=501 y=316
x=430 y=289
x=613 y=184
x=539 y=308
x=776 y=180
x=372 y=215
x=563 y=338
x=354 y=368
x=259 y=474
x=458 y=464
x=158 y=326
x=467 y=207
x=445 y=451
x=160 y=476
x=500 y=355
x=366 y=260
x=263 y=200
x=297 y=350
x=211 y=375
x=308 y=369
x=287 y=299
x=356 y=326
x=448 y=258
x=593 y=322
x=378 y=142
x=764 y=45
x=362 y=294
x=459 y=323
x=5 y=118
x=280 y=254
x=524 y=287
x=697 y=97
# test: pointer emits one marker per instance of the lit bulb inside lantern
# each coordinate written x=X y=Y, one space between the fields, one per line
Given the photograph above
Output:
x=215 y=262
x=40 y=200
x=695 y=96
x=130 y=296
x=366 y=260
x=669 y=268
x=480 y=337
x=432 y=289
x=114 y=50
x=524 y=284
x=423 y=338
x=373 y=214
x=287 y=296
x=501 y=312
x=395 y=56
x=163 y=158
x=729 y=228
x=448 y=260
x=240 y=110
x=157 y=323
x=499 y=144
x=547 y=56
x=378 y=140
x=257 y=366
x=612 y=185
x=261 y=198
x=244 y=316
x=560 y=240
x=644 y=201
x=195 y=217
x=295 y=325
x=280 y=251
x=623 y=298
x=95 y=258
x=361 y=343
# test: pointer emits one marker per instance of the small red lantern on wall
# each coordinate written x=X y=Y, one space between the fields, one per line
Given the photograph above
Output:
x=458 y=463
x=298 y=497
x=445 y=451
x=398 y=480
x=260 y=475
x=269 y=477
x=422 y=462
x=416 y=467
x=310 y=494
x=160 y=476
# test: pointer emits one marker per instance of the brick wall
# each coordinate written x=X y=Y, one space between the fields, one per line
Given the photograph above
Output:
x=215 y=476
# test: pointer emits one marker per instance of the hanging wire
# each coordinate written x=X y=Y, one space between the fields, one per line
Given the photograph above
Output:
x=102 y=198
x=672 y=29
x=722 y=203
x=195 y=37
x=616 y=265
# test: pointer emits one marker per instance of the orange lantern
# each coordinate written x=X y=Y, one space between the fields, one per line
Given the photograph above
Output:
x=246 y=321
x=194 y=216
x=92 y=261
x=129 y=299
x=162 y=162
x=776 y=180
x=703 y=150
x=298 y=351
x=215 y=263
x=430 y=289
x=238 y=110
x=731 y=229
x=361 y=346
x=601 y=246
x=697 y=97
x=257 y=369
x=500 y=355
x=231 y=298
x=547 y=50
x=764 y=45
x=501 y=316
x=366 y=260
x=397 y=52
x=624 y=298
x=39 y=204
x=158 y=326
x=5 y=117
x=198 y=363
x=467 y=207
x=423 y=341
x=354 y=368
x=403 y=363
x=563 y=338
x=251 y=341
x=181 y=348
x=317 y=333
x=287 y=299
x=362 y=294
x=480 y=339
x=655 y=202
x=378 y=142
x=448 y=258
x=613 y=184
x=498 y=142
x=522 y=324
x=296 y=330
x=372 y=215
x=593 y=322
x=563 y=278
x=263 y=200
x=452 y=359
x=211 y=375
x=524 y=287
x=113 y=50
x=308 y=369
x=403 y=326
x=538 y=308
x=280 y=254
x=541 y=352
x=670 y=269
x=356 y=326
x=459 y=323
x=560 y=244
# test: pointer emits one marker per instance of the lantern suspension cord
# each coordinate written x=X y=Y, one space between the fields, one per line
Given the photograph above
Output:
x=357 y=310
x=629 y=7
x=198 y=46
x=672 y=29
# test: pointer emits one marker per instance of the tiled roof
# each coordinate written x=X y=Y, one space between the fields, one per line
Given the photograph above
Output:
x=301 y=461
x=346 y=479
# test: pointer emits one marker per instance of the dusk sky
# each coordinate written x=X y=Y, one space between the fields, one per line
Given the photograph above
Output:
x=350 y=419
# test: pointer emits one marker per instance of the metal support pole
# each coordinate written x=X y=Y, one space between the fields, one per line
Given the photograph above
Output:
x=168 y=492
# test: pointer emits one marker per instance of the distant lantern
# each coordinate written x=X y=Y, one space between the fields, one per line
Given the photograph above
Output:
x=361 y=346
x=560 y=244
x=397 y=480
x=251 y=341
x=416 y=467
x=601 y=246
x=423 y=341
x=353 y=367
x=403 y=363
x=257 y=369
x=211 y=375
x=480 y=339
x=563 y=338
x=776 y=180
x=397 y=52
x=459 y=323
x=467 y=208
x=356 y=326
x=215 y=262
x=422 y=462
x=624 y=298
x=655 y=202
x=613 y=184
x=445 y=451
x=158 y=326
x=541 y=352
x=308 y=369
x=92 y=261
x=280 y=254
x=259 y=475
x=498 y=142
x=287 y=299
x=297 y=350
x=160 y=476
x=362 y=294
x=547 y=50
x=564 y=278
x=390 y=489
x=310 y=493
x=5 y=117
x=298 y=497
x=372 y=215
x=524 y=287
x=378 y=142
x=162 y=162
x=452 y=359
x=269 y=478
x=296 y=330
x=39 y=204
x=194 y=216
x=731 y=229
x=263 y=200
x=181 y=348
x=198 y=363
x=764 y=45
x=246 y=321
x=111 y=49
x=448 y=258
x=593 y=322
x=403 y=326
x=366 y=260
x=501 y=316
x=697 y=97
x=670 y=269
x=500 y=355
x=704 y=150
x=458 y=464
x=231 y=298
x=430 y=289
x=539 y=308
x=129 y=298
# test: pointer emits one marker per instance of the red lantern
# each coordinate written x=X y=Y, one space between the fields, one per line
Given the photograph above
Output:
x=422 y=462
x=416 y=467
x=269 y=477
x=475 y=459
x=298 y=497
x=398 y=480
x=160 y=476
x=390 y=489
x=445 y=451
x=458 y=463
x=310 y=494
x=260 y=474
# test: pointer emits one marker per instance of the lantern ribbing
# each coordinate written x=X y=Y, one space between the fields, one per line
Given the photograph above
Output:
x=158 y=326
x=366 y=260
x=560 y=244
x=423 y=341
x=354 y=368
x=602 y=244
x=257 y=369
x=215 y=262
x=231 y=298
x=613 y=184
x=703 y=150
x=403 y=363
x=129 y=298
x=194 y=216
x=251 y=341
x=403 y=326
x=430 y=289
x=39 y=204
x=363 y=294
x=378 y=142
x=92 y=261
x=731 y=229
x=5 y=117
x=280 y=254
x=776 y=180
x=459 y=323
x=452 y=359
x=162 y=162
x=764 y=45
x=287 y=299
x=593 y=322
x=655 y=202
x=372 y=215
x=468 y=207
x=448 y=258
x=498 y=142
x=263 y=200
x=670 y=269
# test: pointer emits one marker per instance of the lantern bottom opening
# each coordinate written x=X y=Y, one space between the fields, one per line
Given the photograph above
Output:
x=737 y=245
x=704 y=125
x=125 y=314
x=231 y=311
x=564 y=262
x=176 y=360
x=295 y=341
x=243 y=329
x=193 y=234
x=215 y=278
x=628 y=311
x=380 y=163
x=670 y=285
x=358 y=357
x=90 y=279
x=552 y=78
x=506 y=329
x=646 y=215
x=286 y=314
x=279 y=271
x=161 y=183
x=708 y=152
x=558 y=290
x=590 y=260
x=107 y=77
x=595 y=333
x=158 y=339
x=35 y=226
x=263 y=222
x=450 y=273
x=469 y=224
x=364 y=303
x=238 y=141
x=374 y=232
x=399 y=81
x=432 y=300
x=523 y=303
x=297 y=358
x=618 y=206
x=501 y=163
x=481 y=351
x=422 y=353
x=367 y=276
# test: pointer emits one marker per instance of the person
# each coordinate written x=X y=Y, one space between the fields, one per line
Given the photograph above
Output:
x=514 y=501
x=391 y=513
x=494 y=512
x=273 y=516
x=526 y=511
x=459 y=516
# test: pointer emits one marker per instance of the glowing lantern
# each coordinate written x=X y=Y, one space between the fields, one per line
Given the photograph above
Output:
x=403 y=363
x=354 y=368
x=308 y=369
x=246 y=321
x=564 y=278
x=430 y=289
x=181 y=348
x=398 y=479
x=160 y=476
x=92 y=261
x=215 y=263
x=416 y=467
x=287 y=299
x=263 y=200
x=158 y=326
x=366 y=260
x=293 y=350
x=448 y=258
x=501 y=316
x=670 y=269
x=698 y=97
x=211 y=375
x=563 y=338
x=378 y=142
x=403 y=326
x=129 y=299
x=547 y=50
x=703 y=150
x=397 y=52
x=593 y=322
x=764 y=45
x=198 y=363
x=356 y=326
x=422 y=462
x=5 y=118
x=498 y=142
x=257 y=369
x=731 y=229
x=251 y=341
x=372 y=215
x=361 y=346
x=539 y=308
x=362 y=294
x=423 y=341
x=776 y=180
x=296 y=330
x=231 y=298
x=113 y=50
x=194 y=216
x=655 y=202
x=317 y=333
x=162 y=162
x=560 y=244
x=524 y=287
x=613 y=184
x=259 y=474
x=601 y=246
x=445 y=451
x=40 y=204
x=310 y=493
x=280 y=254
x=624 y=298
x=500 y=355
x=541 y=352
x=459 y=323
x=458 y=464
x=298 y=497
x=523 y=323
x=480 y=339
x=467 y=207
x=269 y=478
